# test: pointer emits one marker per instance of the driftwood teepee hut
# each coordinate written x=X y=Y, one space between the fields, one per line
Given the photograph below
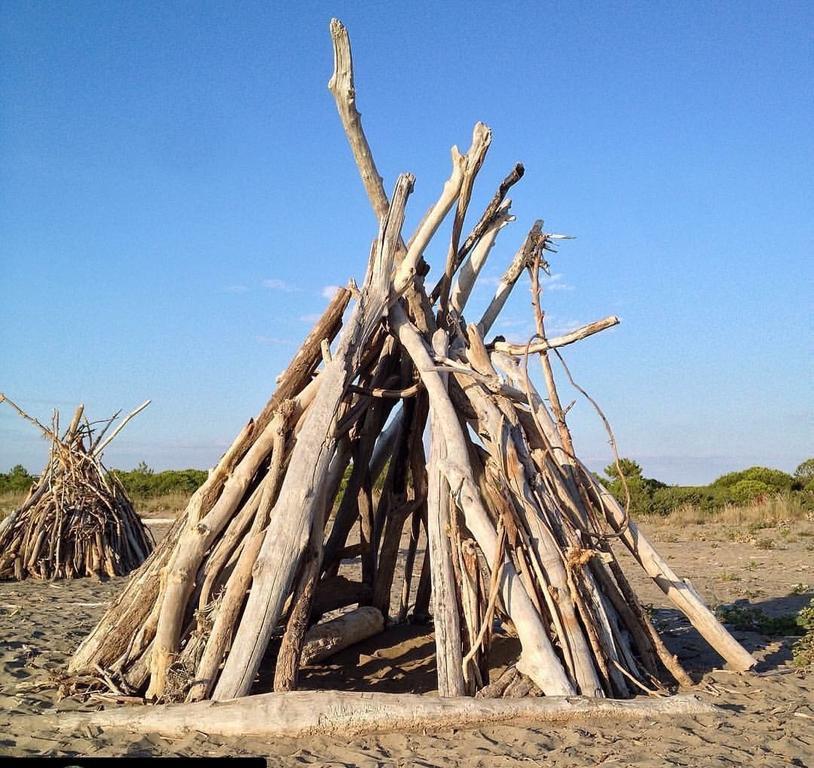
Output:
x=77 y=519
x=405 y=415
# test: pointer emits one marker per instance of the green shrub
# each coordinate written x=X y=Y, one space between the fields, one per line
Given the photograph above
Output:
x=805 y=472
x=774 y=478
x=706 y=498
x=747 y=490
x=144 y=483
x=640 y=488
x=803 y=651
x=17 y=480
x=745 y=617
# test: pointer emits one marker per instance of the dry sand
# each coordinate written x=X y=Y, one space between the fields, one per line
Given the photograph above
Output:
x=765 y=719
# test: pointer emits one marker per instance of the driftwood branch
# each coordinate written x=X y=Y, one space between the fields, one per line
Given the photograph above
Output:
x=99 y=449
x=557 y=341
x=521 y=260
x=342 y=87
x=308 y=713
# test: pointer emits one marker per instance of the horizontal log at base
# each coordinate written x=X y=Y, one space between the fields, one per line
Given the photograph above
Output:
x=324 y=640
x=307 y=713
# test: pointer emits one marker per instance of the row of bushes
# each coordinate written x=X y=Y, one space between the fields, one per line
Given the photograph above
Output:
x=17 y=480
x=649 y=496
x=143 y=483
x=140 y=483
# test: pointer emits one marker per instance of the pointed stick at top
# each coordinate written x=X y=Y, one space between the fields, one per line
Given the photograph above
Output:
x=47 y=432
x=344 y=93
x=534 y=240
x=485 y=222
x=481 y=140
x=98 y=450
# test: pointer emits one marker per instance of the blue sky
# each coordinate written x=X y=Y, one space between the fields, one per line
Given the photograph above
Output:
x=176 y=193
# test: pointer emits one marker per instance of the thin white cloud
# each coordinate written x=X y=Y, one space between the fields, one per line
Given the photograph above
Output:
x=310 y=319
x=513 y=323
x=555 y=283
x=562 y=327
x=236 y=288
x=488 y=281
x=329 y=291
x=272 y=341
x=275 y=284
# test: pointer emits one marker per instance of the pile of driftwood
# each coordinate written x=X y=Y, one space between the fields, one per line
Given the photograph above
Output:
x=519 y=531
x=77 y=519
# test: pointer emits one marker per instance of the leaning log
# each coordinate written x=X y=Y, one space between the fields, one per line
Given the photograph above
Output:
x=303 y=488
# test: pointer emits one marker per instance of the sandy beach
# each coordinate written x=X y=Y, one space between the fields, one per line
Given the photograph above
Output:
x=764 y=719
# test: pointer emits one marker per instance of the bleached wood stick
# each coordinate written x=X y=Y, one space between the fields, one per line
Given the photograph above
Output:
x=552 y=578
x=446 y=616
x=403 y=494
x=289 y=657
x=678 y=590
x=471 y=269
x=229 y=540
x=340 y=713
x=384 y=444
x=101 y=433
x=538 y=659
x=510 y=277
x=47 y=432
x=545 y=363
x=234 y=595
x=481 y=139
x=303 y=488
x=70 y=433
x=101 y=447
x=342 y=87
x=193 y=543
x=105 y=643
x=558 y=341
x=324 y=640
x=464 y=168
x=490 y=212
x=133 y=605
x=359 y=482
x=484 y=222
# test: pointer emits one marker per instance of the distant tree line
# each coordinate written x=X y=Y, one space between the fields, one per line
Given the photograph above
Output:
x=143 y=482
x=16 y=480
x=647 y=496
x=140 y=483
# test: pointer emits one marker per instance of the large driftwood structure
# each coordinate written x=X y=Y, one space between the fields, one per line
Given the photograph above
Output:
x=77 y=519
x=518 y=530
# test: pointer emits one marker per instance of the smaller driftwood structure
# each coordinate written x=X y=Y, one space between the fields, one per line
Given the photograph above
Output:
x=77 y=519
